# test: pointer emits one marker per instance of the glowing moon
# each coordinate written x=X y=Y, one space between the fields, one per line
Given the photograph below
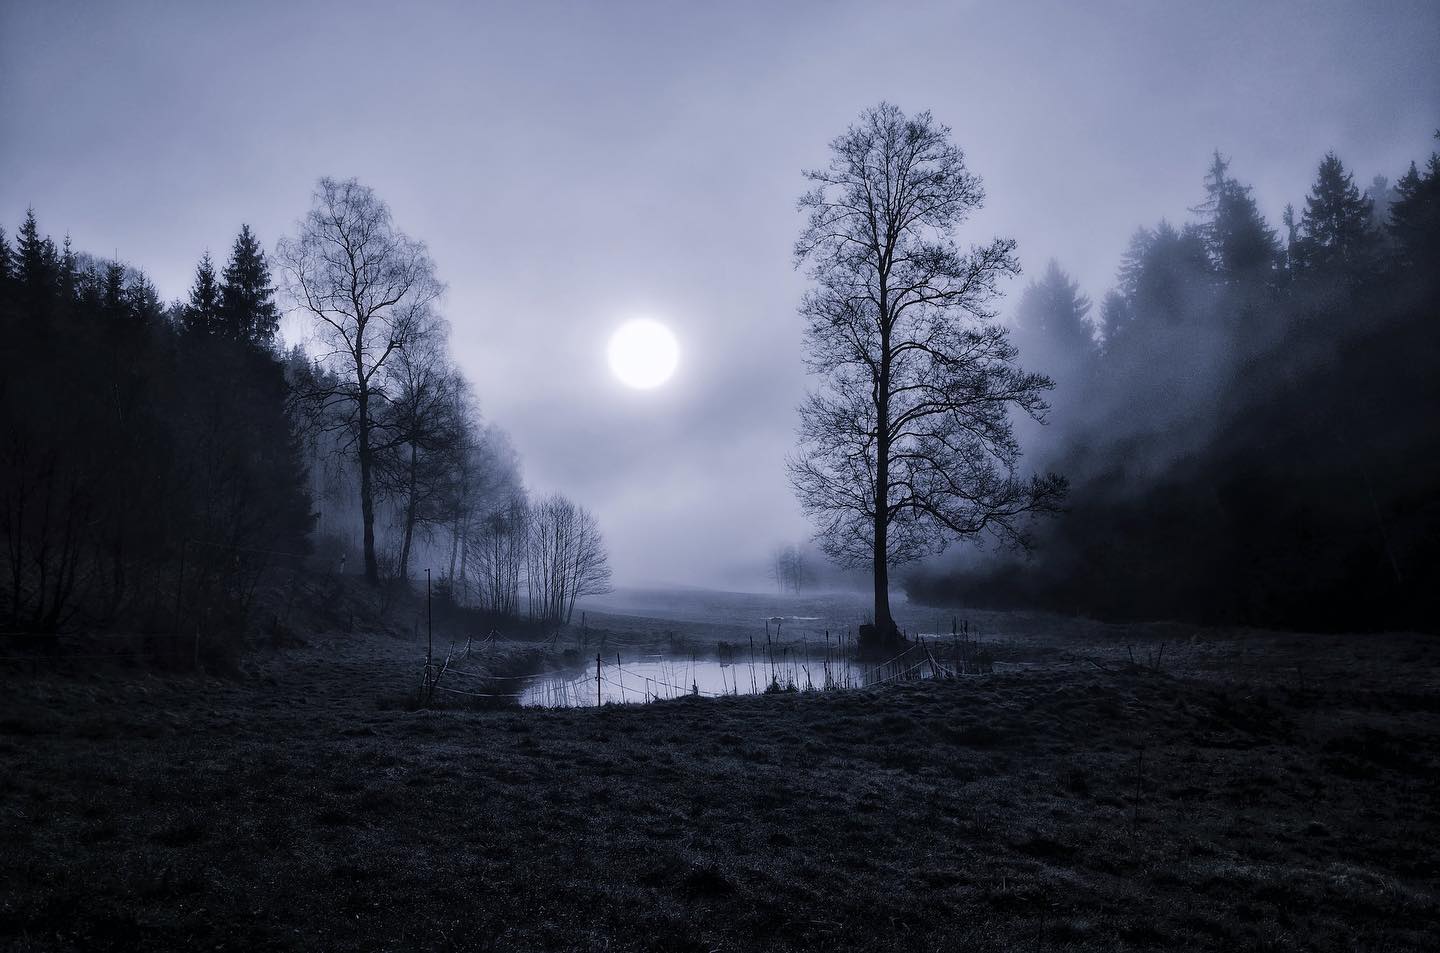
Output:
x=643 y=353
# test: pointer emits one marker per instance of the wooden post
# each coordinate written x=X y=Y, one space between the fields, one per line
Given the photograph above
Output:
x=753 y=687
x=597 y=680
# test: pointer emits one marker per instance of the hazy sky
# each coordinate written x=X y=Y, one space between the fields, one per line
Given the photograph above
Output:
x=574 y=164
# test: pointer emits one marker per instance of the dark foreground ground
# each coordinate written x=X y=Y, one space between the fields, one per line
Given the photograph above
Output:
x=1263 y=793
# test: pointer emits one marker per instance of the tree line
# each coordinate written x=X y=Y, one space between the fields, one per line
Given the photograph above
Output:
x=382 y=394
x=1247 y=419
x=136 y=436
x=141 y=444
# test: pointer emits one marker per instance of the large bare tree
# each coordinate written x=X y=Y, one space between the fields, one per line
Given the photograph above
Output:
x=482 y=515
x=907 y=443
x=369 y=288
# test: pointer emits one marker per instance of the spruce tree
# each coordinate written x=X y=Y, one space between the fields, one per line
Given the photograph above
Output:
x=1335 y=226
x=36 y=270
x=1382 y=195
x=143 y=302
x=7 y=269
x=247 y=305
x=1053 y=309
x=1240 y=243
x=1415 y=215
x=112 y=292
x=1114 y=319
x=202 y=314
x=33 y=273
x=1292 y=238
x=1164 y=273
x=67 y=274
x=7 y=265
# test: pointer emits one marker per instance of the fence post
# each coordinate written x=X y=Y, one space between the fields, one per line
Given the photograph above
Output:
x=597 y=680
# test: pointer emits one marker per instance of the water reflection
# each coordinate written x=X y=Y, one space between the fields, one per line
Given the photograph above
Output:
x=657 y=677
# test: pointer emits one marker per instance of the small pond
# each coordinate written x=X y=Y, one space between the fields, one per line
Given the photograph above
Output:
x=646 y=678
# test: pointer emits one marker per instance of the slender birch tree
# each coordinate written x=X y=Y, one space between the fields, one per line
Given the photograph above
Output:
x=369 y=288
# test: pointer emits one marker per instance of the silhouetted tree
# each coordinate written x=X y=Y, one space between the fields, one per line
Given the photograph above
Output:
x=1415 y=215
x=907 y=442
x=247 y=304
x=369 y=288
x=202 y=314
x=1240 y=244
x=35 y=271
x=1335 y=227
x=143 y=300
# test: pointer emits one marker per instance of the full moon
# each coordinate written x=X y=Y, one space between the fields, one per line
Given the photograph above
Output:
x=643 y=353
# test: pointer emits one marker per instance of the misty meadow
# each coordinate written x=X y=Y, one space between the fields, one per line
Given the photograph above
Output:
x=653 y=477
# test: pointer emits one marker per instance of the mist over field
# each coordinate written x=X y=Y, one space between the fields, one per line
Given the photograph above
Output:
x=570 y=167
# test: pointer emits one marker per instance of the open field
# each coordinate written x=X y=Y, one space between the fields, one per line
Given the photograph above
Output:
x=1244 y=790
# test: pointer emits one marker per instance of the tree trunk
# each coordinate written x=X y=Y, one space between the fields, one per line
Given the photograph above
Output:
x=409 y=521
x=454 y=550
x=884 y=625
x=367 y=493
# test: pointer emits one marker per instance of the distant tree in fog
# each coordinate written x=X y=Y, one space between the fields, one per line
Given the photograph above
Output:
x=421 y=438
x=788 y=569
x=1279 y=420
x=1239 y=242
x=565 y=558
x=1382 y=195
x=496 y=551
x=907 y=442
x=1052 y=326
x=486 y=478
x=1165 y=274
x=1054 y=306
x=369 y=288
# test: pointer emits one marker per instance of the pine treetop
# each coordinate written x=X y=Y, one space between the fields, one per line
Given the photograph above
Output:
x=1336 y=221
x=247 y=306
